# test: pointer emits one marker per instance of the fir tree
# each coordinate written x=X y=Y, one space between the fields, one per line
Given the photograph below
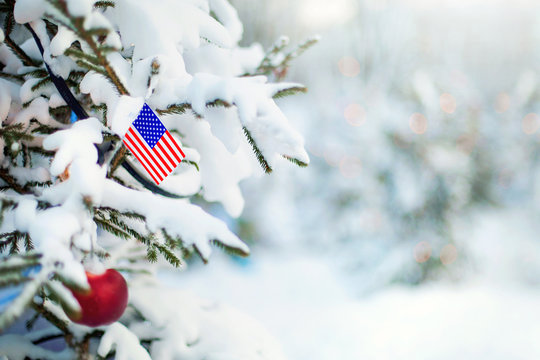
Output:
x=74 y=198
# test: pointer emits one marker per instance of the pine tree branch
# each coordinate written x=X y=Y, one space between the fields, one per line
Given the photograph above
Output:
x=11 y=76
x=41 y=83
x=32 y=321
x=113 y=77
x=181 y=108
x=266 y=67
x=16 y=263
x=117 y=159
x=295 y=161
x=26 y=60
x=11 y=279
x=103 y=224
x=50 y=317
x=289 y=91
x=104 y=4
x=96 y=62
x=47 y=338
x=229 y=249
x=10 y=180
x=264 y=164
x=41 y=151
x=17 y=306
x=87 y=37
x=174 y=109
x=72 y=51
x=89 y=66
x=8 y=27
x=12 y=239
x=298 y=51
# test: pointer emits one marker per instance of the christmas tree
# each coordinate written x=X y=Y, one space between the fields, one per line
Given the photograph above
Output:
x=84 y=229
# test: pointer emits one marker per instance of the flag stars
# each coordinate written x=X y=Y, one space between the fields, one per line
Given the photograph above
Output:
x=149 y=126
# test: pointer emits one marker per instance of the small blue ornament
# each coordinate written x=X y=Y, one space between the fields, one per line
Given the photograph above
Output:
x=73 y=117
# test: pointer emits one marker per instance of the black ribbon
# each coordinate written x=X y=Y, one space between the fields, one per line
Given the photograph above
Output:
x=77 y=108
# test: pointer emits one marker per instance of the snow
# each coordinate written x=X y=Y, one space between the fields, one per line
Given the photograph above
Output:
x=126 y=111
x=5 y=100
x=178 y=23
x=56 y=100
x=221 y=171
x=228 y=16
x=29 y=10
x=38 y=109
x=18 y=347
x=68 y=300
x=125 y=343
x=40 y=174
x=79 y=8
x=256 y=110
x=51 y=231
x=75 y=142
x=61 y=41
x=192 y=328
x=340 y=279
x=99 y=88
x=308 y=305
x=179 y=218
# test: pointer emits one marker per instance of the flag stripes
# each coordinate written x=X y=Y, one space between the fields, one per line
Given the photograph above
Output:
x=161 y=159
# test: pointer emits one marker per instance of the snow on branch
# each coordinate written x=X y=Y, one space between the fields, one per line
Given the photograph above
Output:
x=266 y=127
x=177 y=217
x=126 y=344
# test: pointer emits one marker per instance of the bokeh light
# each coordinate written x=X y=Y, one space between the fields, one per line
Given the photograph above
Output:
x=355 y=114
x=422 y=252
x=333 y=155
x=449 y=254
x=349 y=66
x=530 y=123
x=448 y=103
x=350 y=167
x=418 y=123
x=315 y=149
x=502 y=103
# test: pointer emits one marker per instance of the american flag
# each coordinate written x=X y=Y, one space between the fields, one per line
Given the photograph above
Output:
x=153 y=145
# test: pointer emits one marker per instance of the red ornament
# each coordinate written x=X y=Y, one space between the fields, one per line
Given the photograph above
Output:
x=105 y=302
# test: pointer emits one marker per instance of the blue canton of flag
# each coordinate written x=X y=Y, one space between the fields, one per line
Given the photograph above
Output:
x=154 y=147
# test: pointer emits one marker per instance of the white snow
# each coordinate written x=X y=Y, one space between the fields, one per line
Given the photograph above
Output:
x=256 y=110
x=168 y=25
x=192 y=328
x=19 y=347
x=177 y=217
x=307 y=304
x=126 y=111
x=126 y=344
x=79 y=8
x=29 y=10
x=228 y=16
x=75 y=142
x=5 y=100
x=61 y=41
x=38 y=109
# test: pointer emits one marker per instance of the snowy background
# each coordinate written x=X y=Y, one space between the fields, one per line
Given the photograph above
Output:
x=413 y=232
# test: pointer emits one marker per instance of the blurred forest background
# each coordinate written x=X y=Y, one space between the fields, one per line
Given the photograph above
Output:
x=414 y=231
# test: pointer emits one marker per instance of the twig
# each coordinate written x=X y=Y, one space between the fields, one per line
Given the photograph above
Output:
x=10 y=180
